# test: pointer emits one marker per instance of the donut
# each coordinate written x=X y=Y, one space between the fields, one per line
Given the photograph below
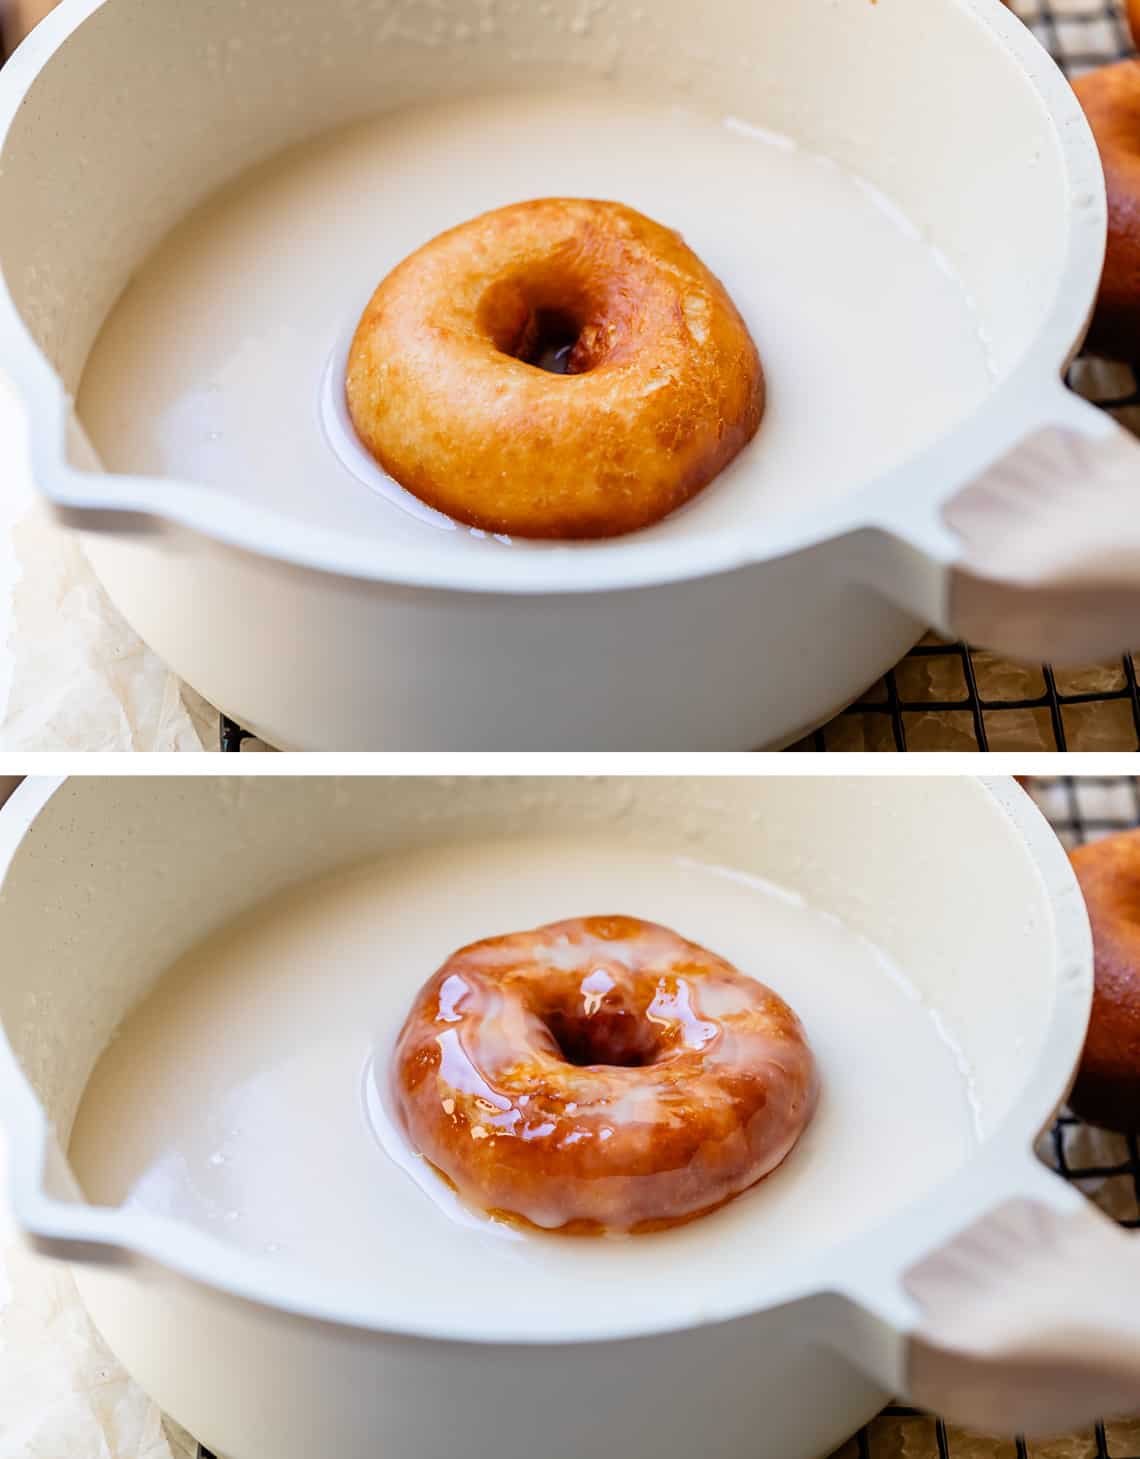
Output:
x=555 y=369
x=600 y=1075
x=1107 y=1091
x=1111 y=101
x=1134 y=21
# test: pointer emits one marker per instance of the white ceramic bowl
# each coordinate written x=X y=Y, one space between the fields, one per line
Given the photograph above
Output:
x=106 y=881
x=117 y=117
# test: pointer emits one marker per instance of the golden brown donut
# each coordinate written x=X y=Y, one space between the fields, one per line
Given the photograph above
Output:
x=1107 y=1091
x=662 y=384
x=600 y=1074
x=1111 y=101
x=1134 y=21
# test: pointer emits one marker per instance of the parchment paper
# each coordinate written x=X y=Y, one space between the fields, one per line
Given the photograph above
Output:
x=73 y=675
x=62 y=1394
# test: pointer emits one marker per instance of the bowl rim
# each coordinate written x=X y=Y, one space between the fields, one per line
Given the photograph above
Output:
x=867 y=1266
x=899 y=496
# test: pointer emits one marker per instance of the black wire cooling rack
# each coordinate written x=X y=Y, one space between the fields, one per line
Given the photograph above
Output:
x=1048 y=711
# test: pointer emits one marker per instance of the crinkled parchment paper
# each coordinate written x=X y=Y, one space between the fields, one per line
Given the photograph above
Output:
x=73 y=675
x=62 y=1394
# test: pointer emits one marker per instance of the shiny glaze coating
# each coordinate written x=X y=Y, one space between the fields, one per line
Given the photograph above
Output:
x=1107 y=1091
x=601 y=1074
x=662 y=384
x=1111 y=101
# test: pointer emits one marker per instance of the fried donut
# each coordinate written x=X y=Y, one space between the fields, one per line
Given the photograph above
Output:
x=1107 y=1091
x=601 y=1074
x=1111 y=101
x=559 y=368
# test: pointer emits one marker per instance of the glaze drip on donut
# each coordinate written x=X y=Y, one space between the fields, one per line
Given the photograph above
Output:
x=601 y=1074
x=561 y=368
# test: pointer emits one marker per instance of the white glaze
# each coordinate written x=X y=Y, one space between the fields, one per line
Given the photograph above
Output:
x=215 y=364
x=235 y=1098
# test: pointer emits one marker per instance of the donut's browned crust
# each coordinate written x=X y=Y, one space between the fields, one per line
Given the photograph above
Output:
x=601 y=1074
x=1107 y=1091
x=664 y=385
x=1111 y=101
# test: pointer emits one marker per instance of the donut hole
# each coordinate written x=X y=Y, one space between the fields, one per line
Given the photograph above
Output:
x=548 y=338
x=542 y=324
x=607 y=1036
x=551 y=341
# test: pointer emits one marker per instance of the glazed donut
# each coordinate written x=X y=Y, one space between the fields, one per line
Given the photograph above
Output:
x=558 y=368
x=1111 y=101
x=600 y=1074
x=1107 y=1091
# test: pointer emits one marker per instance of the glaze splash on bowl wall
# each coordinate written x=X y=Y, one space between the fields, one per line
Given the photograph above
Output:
x=740 y=621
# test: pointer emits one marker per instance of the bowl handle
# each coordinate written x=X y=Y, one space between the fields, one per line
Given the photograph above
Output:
x=1030 y=1322
x=1026 y=1322
x=1041 y=555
